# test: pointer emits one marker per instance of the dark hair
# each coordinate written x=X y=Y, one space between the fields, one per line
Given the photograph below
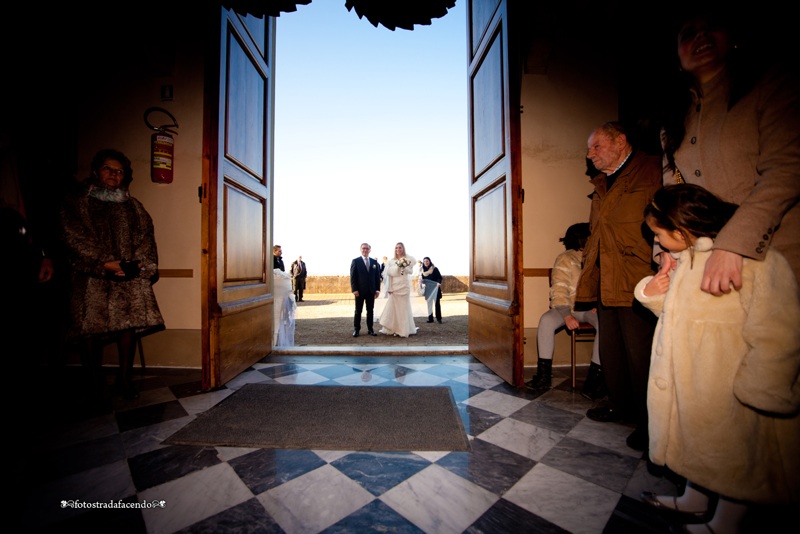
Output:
x=576 y=237
x=109 y=153
x=689 y=209
x=429 y=259
x=743 y=71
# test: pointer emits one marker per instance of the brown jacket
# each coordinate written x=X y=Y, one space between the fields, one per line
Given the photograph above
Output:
x=616 y=221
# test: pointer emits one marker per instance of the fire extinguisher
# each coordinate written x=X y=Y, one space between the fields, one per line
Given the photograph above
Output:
x=162 y=148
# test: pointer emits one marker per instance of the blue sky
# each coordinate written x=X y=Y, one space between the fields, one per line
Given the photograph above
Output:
x=370 y=139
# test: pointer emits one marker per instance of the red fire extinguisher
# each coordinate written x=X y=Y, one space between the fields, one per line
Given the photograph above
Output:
x=162 y=148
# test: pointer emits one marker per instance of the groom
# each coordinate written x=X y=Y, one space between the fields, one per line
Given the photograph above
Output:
x=365 y=282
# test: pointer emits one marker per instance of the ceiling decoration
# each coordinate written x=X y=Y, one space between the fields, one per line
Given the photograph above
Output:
x=259 y=8
x=391 y=14
x=400 y=13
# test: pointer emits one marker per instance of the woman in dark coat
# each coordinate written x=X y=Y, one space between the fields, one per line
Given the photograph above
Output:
x=431 y=275
x=111 y=250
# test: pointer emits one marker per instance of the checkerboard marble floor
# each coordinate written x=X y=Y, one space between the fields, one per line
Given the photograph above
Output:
x=535 y=465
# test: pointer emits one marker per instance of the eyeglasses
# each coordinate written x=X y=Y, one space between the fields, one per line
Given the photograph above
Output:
x=112 y=171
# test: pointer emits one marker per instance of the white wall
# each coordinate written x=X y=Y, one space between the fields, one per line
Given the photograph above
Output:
x=175 y=208
x=562 y=103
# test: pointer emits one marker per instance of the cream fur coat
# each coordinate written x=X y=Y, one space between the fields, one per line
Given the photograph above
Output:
x=723 y=394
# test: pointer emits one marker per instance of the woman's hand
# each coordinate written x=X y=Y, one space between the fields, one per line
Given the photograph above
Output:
x=571 y=322
x=723 y=270
x=113 y=267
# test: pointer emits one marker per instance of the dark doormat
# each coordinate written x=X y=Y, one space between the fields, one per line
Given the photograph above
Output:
x=346 y=418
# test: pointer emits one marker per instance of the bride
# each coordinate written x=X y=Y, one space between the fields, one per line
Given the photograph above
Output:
x=397 y=318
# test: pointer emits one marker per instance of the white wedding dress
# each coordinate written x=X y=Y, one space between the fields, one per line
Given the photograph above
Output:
x=397 y=317
x=284 y=308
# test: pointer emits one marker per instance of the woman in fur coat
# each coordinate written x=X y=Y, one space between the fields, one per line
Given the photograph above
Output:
x=111 y=250
x=723 y=392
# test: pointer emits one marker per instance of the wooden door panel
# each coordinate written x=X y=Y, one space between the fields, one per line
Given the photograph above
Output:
x=491 y=239
x=237 y=293
x=495 y=294
x=244 y=239
x=488 y=130
x=244 y=122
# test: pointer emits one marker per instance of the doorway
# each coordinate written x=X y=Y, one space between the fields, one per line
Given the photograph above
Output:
x=371 y=140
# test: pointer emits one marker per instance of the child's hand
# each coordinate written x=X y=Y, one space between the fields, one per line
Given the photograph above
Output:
x=659 y=283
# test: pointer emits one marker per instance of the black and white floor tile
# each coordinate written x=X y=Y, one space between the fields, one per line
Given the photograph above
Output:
x=535 y=464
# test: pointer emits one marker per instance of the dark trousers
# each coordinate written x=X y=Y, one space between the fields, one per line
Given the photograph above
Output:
x=626 y=339
x=299 y=286
x=360 y=300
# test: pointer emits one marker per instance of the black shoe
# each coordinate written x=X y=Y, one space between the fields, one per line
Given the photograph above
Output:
x=372 y=333
x=355 y=333
x=430 y=318
x=439 y=321
x=638 y=440
x=604 y=414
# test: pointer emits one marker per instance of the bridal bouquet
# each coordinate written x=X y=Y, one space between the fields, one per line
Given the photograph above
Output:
x=402 y=263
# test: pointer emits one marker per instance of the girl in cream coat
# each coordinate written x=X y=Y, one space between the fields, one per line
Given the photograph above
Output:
x=723 y=393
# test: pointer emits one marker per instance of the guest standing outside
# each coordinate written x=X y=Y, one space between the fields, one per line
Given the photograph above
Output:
x=111 y=250
x=277 y=258
x=299 y=274
x=432 y=279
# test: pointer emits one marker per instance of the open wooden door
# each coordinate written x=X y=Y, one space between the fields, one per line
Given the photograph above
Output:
x=237 y=195
x=495 y=295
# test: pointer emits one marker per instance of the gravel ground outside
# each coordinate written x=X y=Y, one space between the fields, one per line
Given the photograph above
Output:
x=327 y=319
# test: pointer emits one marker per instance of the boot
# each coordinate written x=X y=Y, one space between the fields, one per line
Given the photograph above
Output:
x=594 y=387
x=543 y=380
x=430 y=318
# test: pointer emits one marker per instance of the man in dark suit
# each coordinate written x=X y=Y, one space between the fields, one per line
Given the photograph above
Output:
x=299 y=274
x=365 y=282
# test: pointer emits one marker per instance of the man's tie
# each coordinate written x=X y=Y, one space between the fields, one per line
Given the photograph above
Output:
x=366 y=263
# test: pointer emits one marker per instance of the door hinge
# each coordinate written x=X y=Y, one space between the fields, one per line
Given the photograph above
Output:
x=201 y=193
x=522 y=195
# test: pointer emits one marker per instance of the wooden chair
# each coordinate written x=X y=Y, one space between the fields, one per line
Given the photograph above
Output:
x=107 y=339
x=584 y=332
x=140 y=335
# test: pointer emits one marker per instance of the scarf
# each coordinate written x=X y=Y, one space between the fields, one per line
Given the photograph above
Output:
x=108 y=195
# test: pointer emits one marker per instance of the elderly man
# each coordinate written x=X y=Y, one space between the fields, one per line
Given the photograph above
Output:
x=618 y=255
